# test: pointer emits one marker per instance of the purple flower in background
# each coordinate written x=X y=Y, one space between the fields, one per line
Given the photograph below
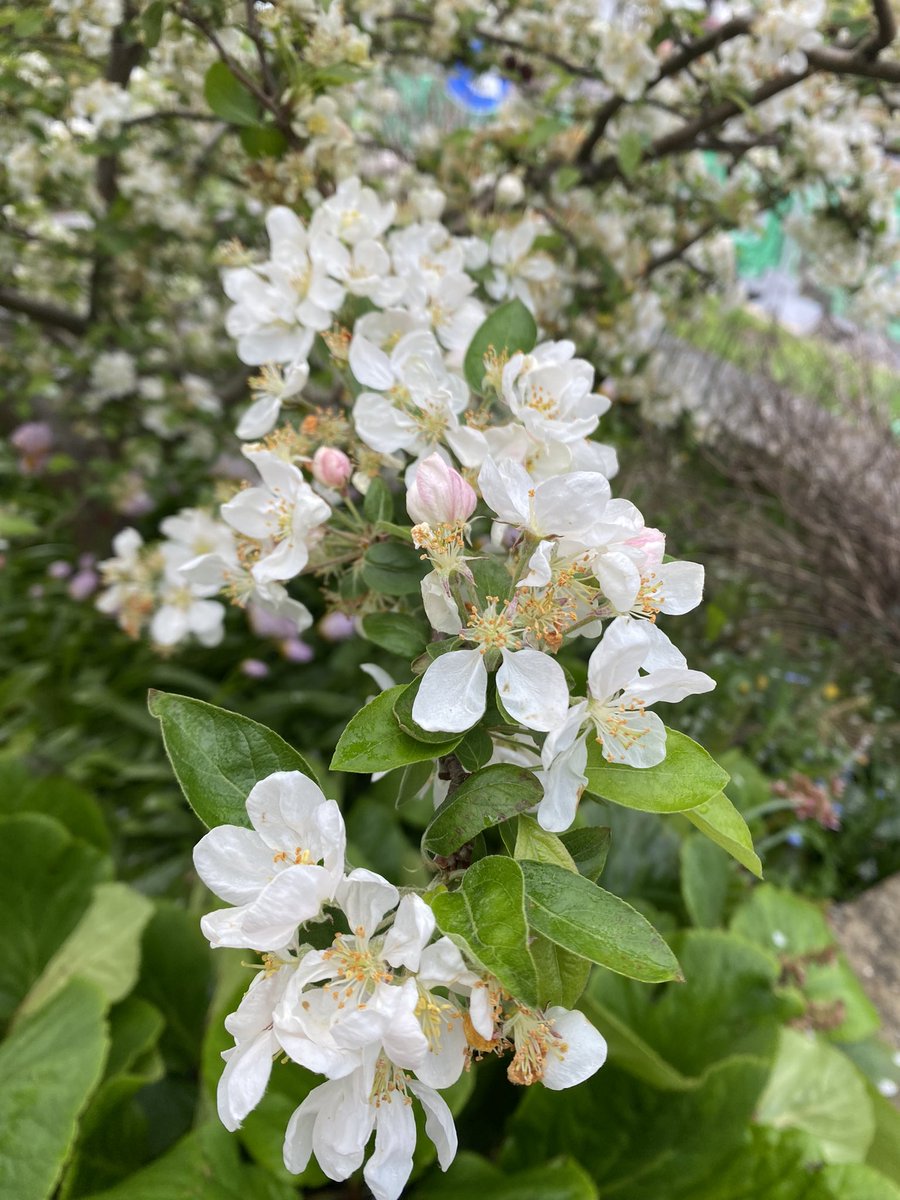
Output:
x=33 y=442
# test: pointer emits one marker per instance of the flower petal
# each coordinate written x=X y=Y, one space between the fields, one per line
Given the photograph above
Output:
x=532 y=688
x=584 y=1053
x=453 y=692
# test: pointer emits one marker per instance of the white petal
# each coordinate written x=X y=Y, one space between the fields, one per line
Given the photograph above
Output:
x=244 y=1080
x=294 y=896
x=682 y=586
x=370 y=366
x=440 y=607
x=411 y=931
x=281 y=809
x=390 y=1166
x=234 y=863
x=569 y=503
x=438 y=1122
x=453 y=692
x=539 y=570
x=365 y=897
x=669 y=684
x=585 y=1051
x=563 y=783
x=615 y=662
x=505 y=487
x=259 y=418
x=532 y=688
x=619 y=578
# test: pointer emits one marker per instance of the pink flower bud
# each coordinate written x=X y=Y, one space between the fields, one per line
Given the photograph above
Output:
x=439 y=495
x=331 y=467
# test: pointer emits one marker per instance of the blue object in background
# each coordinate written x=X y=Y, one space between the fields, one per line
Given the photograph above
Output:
x=483 y=93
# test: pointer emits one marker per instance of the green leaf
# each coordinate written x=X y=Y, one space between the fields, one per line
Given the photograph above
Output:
x=492 y=578
x=509 y=328
x=393 y=569
x=176 y=978
x=151 y=20
x=490 y=796
x=487 y=918
x=588 y=921
x=47 y=879
x=228 y=98
x=705 y=879
x=103 y=949
x=629 y=1051
x=263 y=141
x=685 y=778
x=475 y=750
x=637 y=1143
x=727 y=1005
x=378 y=504
x=589 y=848
x=397 y=632
x=218 y=756
x=50 y=1065
x=538 y=845
x=629 y=152
x=562 y=976
x=795 y=930
x=373 y=741
x=817 y=1090
x=561 y=1179
x=204 y=1165
x=721 y=821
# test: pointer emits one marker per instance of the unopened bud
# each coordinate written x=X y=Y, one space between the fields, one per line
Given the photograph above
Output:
x=439 y=495
x=510 y=190
x=331 y=467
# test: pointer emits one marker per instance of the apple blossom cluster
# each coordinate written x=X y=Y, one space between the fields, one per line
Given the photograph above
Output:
x=569 y=559
x=387 y=1012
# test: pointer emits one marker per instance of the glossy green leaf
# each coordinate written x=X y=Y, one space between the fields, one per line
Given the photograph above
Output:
x=509 y=328
x=393 y=569
x=537 y=844
x=723 y=824
x=228 y=98
x=373 y=741
x=475 y=750
x=50 y=1065
x=562 y=976
x=589 y=848
x=490 y=796
x=399 y=633
x=486 y=916
x=263 y=141
x=588 y=921
x=218 y=756
x=686 y=777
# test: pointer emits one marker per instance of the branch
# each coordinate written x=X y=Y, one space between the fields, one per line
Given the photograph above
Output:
x=170 y=115
x=42 y=311
x=886 y=31
x=670 y=256
x=672 y=66
x=846 y=62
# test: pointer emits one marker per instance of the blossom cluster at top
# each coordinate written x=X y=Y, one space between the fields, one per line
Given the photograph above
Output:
x=529 y=495
x=386 y=1012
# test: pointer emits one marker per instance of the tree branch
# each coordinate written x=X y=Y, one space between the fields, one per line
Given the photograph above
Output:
x=42 y=311
x=672 y=66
